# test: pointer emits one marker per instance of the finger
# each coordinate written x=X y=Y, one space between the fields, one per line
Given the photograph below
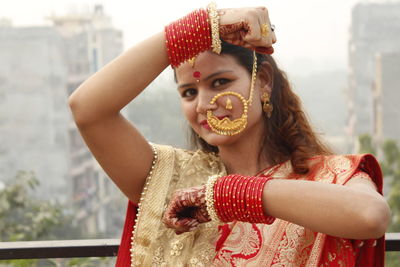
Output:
x=267 y=32
x=272 y=27
x=253 y=36
x=169 y=220
x=194 y=228
x=261 y=34
x=170 y=214
x=185 y=225
x=202 y=216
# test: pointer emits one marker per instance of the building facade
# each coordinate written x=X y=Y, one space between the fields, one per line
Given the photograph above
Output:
x=374 y=30
x=90 y=42
x=39 y=68
x=33 y=111
x=386 y=96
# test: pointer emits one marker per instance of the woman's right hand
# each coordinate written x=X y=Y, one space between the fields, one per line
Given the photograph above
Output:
x=247 y=27
x=186 y=209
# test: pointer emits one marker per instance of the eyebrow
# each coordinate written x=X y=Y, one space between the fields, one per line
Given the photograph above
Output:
x=207 y=78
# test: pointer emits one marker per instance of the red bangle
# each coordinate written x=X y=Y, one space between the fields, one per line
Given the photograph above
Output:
x=188 y=37
x=268 y=219
x=178 y=46
x=218 y=200
x=223 y=212
x=246 y=202
x=240 y=198
x=227 y=192
x=252 y=208
x=258 y=198
x=234 y=197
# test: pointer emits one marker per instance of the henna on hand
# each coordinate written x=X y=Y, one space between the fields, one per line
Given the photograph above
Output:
x=186 y=210
x=242 y=27
x=234 y=33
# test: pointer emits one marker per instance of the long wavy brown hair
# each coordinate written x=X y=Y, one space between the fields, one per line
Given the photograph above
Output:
x=288 y=133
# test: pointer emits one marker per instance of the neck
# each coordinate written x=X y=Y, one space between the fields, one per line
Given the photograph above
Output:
x=245 y=156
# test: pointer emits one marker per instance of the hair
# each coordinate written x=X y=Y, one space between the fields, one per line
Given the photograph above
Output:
x=288 y=133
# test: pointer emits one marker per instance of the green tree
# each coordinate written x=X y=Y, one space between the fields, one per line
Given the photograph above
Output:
x=26 y=218
x=23 y=217
x=390 y=164
x=366 y=145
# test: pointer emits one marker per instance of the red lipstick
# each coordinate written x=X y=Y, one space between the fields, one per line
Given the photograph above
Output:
x=204 y=123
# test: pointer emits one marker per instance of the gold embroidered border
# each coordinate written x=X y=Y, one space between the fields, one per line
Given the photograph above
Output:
x=153 y=203
x=316 y=251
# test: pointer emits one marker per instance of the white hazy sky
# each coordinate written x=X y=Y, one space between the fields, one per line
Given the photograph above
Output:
x=312 y=34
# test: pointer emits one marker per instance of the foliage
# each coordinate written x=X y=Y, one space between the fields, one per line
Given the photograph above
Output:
x=23 y=217
x=390 y=164
x=26 y=218
x=366 y=145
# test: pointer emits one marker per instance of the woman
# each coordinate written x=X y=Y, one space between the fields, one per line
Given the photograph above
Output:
x=262 y=190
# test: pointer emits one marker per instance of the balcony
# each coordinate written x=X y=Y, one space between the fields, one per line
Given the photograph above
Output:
x=95 y=248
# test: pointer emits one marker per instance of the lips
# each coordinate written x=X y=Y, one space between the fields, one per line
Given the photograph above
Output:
x=205 y=124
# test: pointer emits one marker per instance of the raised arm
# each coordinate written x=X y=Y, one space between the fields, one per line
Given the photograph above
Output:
x=117 y=145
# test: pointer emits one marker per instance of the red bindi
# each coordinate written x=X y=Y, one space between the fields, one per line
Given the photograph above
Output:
x=197 y=74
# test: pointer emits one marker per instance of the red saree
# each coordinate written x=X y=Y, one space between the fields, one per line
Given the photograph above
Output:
x=284 y=243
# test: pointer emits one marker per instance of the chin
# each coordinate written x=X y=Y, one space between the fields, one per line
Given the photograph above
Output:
x=218 y=140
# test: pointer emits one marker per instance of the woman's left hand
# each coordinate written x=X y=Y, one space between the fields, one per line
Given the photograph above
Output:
x=187 y=209
x=249 y=27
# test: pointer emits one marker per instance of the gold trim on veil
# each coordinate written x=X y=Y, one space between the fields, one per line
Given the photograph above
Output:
x=156 y=245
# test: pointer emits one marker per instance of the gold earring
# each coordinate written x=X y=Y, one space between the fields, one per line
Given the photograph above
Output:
x=228 y=105
x=267 y=106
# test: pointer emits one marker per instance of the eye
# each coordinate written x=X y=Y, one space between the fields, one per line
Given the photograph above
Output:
x=221 y=81
x=190 y=92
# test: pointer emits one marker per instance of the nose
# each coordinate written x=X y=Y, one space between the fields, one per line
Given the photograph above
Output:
x=203 y=102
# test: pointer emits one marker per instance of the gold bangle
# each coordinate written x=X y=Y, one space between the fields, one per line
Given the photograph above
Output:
x=210 y=198
x=214 y=22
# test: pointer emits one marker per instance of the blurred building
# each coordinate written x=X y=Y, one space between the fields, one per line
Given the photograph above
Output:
x=33 y=111
x=386 y=107
x=374 y=30
x=39 y=68
x=90 y=42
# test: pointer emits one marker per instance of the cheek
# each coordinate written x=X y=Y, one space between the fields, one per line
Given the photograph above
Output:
x=256 y=110
x=189 y=111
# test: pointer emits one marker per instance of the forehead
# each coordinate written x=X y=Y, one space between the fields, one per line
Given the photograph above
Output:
x=208 y=63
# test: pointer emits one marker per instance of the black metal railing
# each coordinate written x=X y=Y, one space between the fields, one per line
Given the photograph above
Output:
x=59 y=249
x=95 y=248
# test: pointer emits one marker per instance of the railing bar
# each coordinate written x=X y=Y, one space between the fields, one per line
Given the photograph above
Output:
x=96 y=248
x=60 y=243
x=59 y=249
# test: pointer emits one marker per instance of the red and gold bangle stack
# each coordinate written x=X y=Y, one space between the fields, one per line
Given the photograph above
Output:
x=188 y=37
x=238 y=197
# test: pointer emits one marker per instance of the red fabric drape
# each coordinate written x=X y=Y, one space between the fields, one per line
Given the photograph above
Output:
x=359 y=253
x=124 y=255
